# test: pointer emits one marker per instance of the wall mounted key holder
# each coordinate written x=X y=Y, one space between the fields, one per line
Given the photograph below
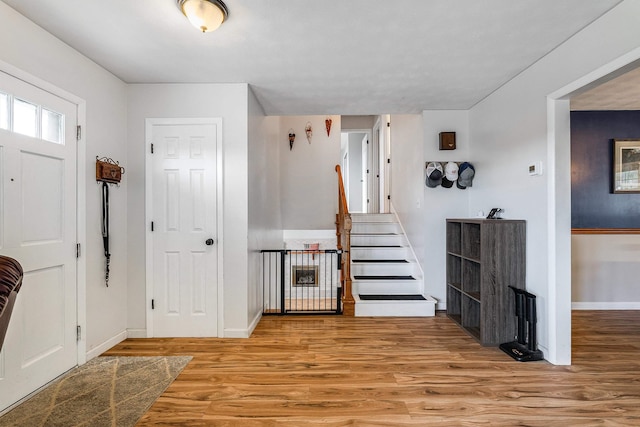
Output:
x=108 y=170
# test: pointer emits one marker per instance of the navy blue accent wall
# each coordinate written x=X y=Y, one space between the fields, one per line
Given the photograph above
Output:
x=593 y=204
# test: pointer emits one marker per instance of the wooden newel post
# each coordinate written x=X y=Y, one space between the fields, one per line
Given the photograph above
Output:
x=343 y=236
x=348 y=302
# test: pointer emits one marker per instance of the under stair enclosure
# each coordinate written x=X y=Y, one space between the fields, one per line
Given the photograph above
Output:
x=386 y=277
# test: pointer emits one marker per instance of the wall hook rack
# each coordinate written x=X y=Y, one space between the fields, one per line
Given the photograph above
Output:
x=108 y=170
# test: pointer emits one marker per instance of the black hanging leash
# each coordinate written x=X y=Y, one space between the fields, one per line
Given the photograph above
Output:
x=105 y=229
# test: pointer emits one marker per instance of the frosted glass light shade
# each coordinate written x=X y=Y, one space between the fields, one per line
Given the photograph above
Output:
x=205 y=15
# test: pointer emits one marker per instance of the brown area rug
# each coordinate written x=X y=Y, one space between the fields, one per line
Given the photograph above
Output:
x=106 y=391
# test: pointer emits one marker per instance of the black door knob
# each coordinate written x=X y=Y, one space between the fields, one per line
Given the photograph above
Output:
x=209 y=242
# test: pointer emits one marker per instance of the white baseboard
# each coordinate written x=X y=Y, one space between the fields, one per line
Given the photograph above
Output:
x=605 y=305
x=545 y=352
x=101 y=348
x=136 y=333
x=236 y=333
x=254 y=323
x=243 y=333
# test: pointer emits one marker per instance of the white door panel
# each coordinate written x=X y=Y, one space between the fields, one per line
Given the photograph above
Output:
x=38 y=228
x=184 y=267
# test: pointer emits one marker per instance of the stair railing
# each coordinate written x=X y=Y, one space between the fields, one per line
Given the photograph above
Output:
x=343 y=235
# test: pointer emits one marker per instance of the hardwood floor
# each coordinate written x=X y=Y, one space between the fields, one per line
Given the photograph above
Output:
x=342 y=371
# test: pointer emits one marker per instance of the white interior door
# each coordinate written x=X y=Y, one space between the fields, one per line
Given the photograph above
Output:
x=364 y=170
x=374 y=173
x=387 y=167
x=38 y=228
x=184 y=237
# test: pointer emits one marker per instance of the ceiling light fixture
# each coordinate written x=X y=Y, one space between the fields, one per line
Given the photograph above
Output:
x=205 y=15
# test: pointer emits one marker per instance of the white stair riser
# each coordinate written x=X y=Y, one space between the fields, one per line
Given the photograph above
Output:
x=396 y=308
x=399 y=287
x=373 y=230
x=384 y=269
x=376 y=227
x=379 y=253
x=381 y=240
x=373 y=218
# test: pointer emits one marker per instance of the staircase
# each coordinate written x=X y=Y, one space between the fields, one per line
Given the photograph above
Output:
x=387 y=280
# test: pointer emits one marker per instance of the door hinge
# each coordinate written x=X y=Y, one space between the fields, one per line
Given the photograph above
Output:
x=388 y=160
x=152 y=225
x=151 y=148
x=367 y=142
x=388 y=197
x=153 y=304
x=78 y=133
x=367 y=170
x=77 y=250
x=388 y=124
x=78 y=333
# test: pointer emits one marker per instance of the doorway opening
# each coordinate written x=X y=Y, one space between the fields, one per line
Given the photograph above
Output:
x=355 y=154
x=559 y=201
x=365 y=154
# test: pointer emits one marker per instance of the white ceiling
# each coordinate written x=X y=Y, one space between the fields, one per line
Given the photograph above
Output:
x=621 y=93
x=324 y=57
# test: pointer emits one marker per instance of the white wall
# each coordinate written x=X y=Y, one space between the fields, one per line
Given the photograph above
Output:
x=441 y=203
x=407 y=179
x=604 y=271
x=230 y=102
x=33 y=50
x=423 y=210
x=356 y=122
x=265 y=222
x=309 y=183
x=509 y=130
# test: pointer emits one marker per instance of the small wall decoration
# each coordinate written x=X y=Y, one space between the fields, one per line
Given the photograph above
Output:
x=626 y=166
x=447 y=141
x=327 y=124
x=292 y=138
x=309 y=130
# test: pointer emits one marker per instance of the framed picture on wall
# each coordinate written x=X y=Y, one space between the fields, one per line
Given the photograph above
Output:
x=626 y=165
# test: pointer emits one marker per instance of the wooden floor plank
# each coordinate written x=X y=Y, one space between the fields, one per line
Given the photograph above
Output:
x=340 y=371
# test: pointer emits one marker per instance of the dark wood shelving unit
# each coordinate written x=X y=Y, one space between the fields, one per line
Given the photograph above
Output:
x=485 y=257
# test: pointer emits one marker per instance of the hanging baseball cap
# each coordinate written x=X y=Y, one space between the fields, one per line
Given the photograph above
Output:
x=466 y=172
x=450 y=174
x=434 y=174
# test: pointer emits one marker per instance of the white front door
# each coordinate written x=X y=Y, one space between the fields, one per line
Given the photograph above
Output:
x=38 y=228
x=184 y=249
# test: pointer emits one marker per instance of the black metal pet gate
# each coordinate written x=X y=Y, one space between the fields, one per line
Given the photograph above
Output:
x=301 y=281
